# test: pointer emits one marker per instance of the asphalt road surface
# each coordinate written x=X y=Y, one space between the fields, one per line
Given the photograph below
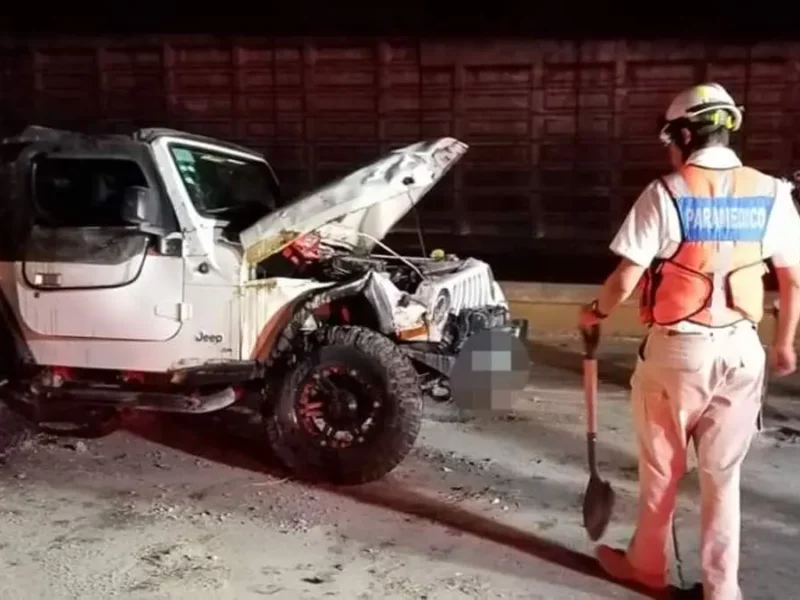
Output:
x=174 y=508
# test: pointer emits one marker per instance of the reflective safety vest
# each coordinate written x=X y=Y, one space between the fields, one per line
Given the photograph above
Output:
x=714 y=278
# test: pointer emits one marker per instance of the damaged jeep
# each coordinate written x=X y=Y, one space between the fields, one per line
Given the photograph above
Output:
x=161 y=271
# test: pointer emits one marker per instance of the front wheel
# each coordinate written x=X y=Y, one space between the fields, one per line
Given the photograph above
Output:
x=350 y=411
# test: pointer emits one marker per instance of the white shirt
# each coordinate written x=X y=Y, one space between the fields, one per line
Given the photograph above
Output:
x=652 y=228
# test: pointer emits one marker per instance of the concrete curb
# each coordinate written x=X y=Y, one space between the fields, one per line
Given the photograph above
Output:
x=552 y=309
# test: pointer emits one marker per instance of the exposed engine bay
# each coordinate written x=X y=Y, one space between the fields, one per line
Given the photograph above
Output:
x=429 y=306
x=309 y=257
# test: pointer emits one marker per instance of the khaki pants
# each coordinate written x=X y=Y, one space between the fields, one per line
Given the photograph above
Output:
x=705 y=388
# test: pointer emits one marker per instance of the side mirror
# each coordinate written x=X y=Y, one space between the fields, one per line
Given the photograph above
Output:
x=140 y=207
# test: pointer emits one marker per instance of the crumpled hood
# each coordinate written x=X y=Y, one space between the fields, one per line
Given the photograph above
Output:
x=361 y=207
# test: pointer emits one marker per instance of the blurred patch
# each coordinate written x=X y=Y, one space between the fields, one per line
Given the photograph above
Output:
x=492 y=368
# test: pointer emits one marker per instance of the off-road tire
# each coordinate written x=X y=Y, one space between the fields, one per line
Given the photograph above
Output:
x=15 y=432
x=398 y=425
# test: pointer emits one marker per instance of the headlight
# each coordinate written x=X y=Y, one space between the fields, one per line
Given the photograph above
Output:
x=441 y=307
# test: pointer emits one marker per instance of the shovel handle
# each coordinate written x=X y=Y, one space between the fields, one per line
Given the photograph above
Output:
x=590 y=394
x=775 y=309
x=591 y=339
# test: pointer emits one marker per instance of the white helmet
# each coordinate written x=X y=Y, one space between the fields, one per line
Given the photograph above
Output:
x=707 y=103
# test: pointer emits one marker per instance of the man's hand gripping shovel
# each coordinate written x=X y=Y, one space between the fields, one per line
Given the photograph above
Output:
x=598 y=502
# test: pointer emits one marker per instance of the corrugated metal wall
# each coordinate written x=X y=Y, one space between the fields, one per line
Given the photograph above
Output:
x=562 y=133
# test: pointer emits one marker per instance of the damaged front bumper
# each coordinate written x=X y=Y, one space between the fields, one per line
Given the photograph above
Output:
x=519 y=329
x=442 y=358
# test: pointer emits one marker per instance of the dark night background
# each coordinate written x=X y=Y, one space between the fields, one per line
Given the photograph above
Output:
x=559 y=105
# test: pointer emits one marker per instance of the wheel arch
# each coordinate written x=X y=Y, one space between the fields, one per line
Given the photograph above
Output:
x=287 y=336
x=371 y=305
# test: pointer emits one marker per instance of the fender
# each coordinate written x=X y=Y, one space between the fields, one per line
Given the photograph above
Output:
x=268 y=306
x=302 y=310
x=376 y=295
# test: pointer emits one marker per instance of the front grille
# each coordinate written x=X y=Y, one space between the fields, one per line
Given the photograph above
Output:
x=471 y=290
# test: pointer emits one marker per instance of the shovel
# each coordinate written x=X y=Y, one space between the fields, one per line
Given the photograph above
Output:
x=773 y=311
x=598 y=502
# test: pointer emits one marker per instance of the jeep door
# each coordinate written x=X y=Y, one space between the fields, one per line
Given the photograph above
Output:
x=88 y=273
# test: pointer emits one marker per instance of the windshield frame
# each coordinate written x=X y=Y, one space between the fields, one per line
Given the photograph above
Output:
x=223 y=153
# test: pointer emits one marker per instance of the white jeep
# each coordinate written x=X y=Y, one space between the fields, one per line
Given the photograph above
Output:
x=160 y=271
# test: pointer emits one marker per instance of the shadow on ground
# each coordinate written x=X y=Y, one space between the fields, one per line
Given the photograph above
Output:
x=235 y=438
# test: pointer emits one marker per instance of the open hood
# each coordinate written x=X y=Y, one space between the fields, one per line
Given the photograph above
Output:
x=361 y=207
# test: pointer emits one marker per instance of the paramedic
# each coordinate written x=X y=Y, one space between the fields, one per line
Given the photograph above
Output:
x=698 y=240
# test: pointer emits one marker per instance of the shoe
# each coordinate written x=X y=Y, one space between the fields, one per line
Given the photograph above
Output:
x=616 y=565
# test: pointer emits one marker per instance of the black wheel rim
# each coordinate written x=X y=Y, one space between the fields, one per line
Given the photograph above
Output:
x=339 y=406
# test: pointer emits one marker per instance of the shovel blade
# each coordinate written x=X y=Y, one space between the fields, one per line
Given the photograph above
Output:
x=598 y=505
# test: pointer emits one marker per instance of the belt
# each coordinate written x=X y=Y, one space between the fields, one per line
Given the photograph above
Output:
x=712 y=332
